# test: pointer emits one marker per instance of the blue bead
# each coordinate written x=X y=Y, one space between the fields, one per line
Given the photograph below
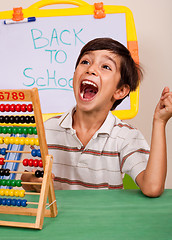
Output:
x=38 y=153
x=13 y=202
x=24 y=203
x=3 y=151
x=34 y=152
x=8 y=202
x=18 y=202
x=4 y=201
x=0 y=201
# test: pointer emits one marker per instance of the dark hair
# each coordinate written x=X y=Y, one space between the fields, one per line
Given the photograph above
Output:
x=130 y=71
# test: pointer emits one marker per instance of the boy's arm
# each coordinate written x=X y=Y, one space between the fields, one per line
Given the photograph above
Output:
x=152 y=180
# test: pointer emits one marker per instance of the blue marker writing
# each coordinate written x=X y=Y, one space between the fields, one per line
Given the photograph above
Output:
x=25 y=20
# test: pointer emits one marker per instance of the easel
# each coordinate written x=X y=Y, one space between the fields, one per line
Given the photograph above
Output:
x=47 y=188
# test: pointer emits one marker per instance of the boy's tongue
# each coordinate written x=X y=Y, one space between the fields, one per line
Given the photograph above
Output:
x=89 y=93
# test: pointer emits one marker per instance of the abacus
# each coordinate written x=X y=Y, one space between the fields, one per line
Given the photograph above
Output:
x=21 y=124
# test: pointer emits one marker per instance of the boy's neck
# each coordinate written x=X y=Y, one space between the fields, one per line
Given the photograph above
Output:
x=87 y=123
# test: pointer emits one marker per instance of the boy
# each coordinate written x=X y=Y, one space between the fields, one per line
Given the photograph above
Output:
x=91 y=147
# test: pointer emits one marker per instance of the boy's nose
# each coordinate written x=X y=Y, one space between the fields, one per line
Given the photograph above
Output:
x=92 y=70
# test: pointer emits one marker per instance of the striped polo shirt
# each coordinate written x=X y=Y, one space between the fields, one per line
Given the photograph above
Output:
x=116 y=148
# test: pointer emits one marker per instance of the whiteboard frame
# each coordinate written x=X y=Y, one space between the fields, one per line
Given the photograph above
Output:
x=84 y=8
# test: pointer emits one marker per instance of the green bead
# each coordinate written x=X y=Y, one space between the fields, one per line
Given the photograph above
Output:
x=0 y=129
x=34 y=131
x=13 y=183
x=9 y=130
x=8 y=182
x=15 y=130
x=20 y=130
x=25 y=131
x=30 y=130
x=4 y=130
x=3 y=182
x=18 y=183
x=0 y=182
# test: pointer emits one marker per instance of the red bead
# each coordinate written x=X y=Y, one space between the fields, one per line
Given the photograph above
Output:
x=18 y=107
x=30 y=162
x=25 y=162
x=1 y=161
x=7 y=107
x=29 y=108
x=40 y=164
x=12 y=107
x=35 y=163
x=23 y=107
x=2 y=108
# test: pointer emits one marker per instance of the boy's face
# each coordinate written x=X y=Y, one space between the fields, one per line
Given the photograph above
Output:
x=95 y=80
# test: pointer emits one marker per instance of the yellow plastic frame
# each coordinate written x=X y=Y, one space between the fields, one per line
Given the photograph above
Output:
x=84 y=8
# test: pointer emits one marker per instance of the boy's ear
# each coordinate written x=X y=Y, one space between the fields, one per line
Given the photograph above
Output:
x=121 y=92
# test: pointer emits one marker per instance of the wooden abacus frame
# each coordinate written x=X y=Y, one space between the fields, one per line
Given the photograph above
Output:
x=47 y=188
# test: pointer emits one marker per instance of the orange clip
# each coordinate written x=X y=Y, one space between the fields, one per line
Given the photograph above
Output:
x=17 y=14
x=99 y=12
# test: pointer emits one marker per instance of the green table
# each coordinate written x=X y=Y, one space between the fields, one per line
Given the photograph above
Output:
x=103 y=215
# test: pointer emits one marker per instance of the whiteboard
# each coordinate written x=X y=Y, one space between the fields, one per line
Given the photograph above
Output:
x=43 y=53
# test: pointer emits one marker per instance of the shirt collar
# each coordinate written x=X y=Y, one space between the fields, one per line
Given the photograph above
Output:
x=106 y=128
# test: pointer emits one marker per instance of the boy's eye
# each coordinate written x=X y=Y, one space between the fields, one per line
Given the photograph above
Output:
x=84 y=62
x=106 y=67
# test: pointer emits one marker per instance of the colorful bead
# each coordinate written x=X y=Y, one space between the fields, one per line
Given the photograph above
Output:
x=2 y=161
x=36 y=141
x=7 y=107
x=12 y=107
x=21 y=193
x=35 y=131
x=6 y=192
x=2 y=192
x=23 y=107
x=16 y=193
x=18 y=202
x=24 y=203
x=15 y=130
x=34 y=152
x=7 y=140
x=1 y=140
x=40 y=164
x=22 y=140
x=17 y=141
x=7 y=172
x=12 y=140
x=25 y=162
x=11 y=192
x=30 y=163
x=39 y=153
x=8 y=202
x=35 y=163
x=8 y=182
x=18 y=107
x=27 y=141
x=32 y=141
x=9 y=130
x=4 y=130
x=2 y=107
x=4 y=201
x=29 y=108
x=3 y=182
x=13 y=183
x=13 y=202
x=18 y=183
x=3 y=151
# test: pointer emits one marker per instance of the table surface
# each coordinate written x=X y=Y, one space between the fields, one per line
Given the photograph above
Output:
x=103 y=215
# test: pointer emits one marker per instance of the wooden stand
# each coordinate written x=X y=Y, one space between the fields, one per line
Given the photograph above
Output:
x=47 y=188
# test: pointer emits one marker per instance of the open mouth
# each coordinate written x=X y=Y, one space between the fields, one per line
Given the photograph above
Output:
x=88 y=90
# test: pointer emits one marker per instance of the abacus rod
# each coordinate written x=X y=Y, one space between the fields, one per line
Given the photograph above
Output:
x=35 y=203
x=31 y=183
x=32 y=193
x=21 y=172
x=17 y=151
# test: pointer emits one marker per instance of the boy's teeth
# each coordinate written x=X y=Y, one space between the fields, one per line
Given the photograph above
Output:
x=90 y=83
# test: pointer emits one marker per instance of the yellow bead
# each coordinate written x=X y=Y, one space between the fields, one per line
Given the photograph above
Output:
x=27 y=141
x=7 y=140
x=17 y=141
x=22 y=140
x=6 y=192
x=2 y=192
x=1 y=140
x=16 y=193
x=11 y=192
x=32 y=141
x=12 y=140
x=36 y=141
x=21 y=193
